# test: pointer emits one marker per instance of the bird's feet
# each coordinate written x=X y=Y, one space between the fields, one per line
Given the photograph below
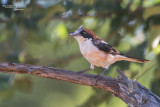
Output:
x=79 y=72
x=99 y=76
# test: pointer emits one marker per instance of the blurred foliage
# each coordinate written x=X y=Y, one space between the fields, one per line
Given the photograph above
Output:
x=38 y=34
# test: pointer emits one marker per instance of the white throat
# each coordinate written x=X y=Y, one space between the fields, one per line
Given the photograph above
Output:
x=84 y=43
x=81 y=39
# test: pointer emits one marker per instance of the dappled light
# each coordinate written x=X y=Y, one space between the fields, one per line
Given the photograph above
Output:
x=36 y=32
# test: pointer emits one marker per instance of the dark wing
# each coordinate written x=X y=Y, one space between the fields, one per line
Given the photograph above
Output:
x=105 y=47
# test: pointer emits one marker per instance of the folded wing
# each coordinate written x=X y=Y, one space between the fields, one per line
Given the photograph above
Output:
x=104 y=46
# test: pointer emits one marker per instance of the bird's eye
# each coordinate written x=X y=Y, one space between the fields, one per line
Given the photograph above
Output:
x=83 y=32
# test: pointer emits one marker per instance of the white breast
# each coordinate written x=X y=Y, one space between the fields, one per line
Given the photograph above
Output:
x=92 y=54
x=87 y=47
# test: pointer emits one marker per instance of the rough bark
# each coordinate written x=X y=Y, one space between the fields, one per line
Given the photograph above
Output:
x=130 y=91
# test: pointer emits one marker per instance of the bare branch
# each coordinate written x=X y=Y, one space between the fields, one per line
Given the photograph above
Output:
x=130 y=91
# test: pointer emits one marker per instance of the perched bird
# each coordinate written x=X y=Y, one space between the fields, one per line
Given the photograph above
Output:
x=98 y=52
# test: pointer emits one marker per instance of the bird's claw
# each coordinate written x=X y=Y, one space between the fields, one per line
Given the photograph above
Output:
x=99 y=77
x=79 y=72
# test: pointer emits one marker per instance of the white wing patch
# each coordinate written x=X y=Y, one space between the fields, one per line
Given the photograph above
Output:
x=104 y=42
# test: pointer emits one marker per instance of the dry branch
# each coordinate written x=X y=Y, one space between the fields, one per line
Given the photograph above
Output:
x=130 y=91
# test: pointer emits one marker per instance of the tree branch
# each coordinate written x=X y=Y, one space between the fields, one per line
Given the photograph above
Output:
x=130 y=91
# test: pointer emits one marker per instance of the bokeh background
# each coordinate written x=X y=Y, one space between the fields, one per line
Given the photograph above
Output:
x=36 y=32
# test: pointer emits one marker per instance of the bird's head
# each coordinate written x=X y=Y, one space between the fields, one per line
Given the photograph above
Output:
x=82 y=34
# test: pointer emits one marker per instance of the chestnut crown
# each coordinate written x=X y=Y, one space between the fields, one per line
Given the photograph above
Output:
x=85 y=33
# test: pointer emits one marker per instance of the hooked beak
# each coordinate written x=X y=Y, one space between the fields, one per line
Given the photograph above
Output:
x=72 y=34
x=75 y=33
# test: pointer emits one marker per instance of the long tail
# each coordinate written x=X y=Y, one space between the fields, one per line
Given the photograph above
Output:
x=120 y=57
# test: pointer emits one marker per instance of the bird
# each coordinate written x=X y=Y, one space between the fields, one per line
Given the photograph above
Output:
x=98 y=52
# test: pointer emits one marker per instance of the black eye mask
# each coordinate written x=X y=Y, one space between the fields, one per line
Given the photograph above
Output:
x=85 y=34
